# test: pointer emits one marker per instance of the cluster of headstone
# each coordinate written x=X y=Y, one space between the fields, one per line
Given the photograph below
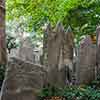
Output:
x=58 y=54
x=59 y=67
x=24 y=76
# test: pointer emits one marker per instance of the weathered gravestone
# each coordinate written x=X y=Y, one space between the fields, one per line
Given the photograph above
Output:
x=26 y=51
x=59 y=54
x=66 y=56
x=98 y=50
x=53 y=49
x=22 y=80
x=86 y=61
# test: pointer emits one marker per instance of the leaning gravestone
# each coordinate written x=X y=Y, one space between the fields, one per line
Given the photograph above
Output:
x=87 y=61
x=22 y=80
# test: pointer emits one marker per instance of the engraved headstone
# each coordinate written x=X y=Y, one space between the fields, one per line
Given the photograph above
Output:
x=87 y=61
x=22 y=80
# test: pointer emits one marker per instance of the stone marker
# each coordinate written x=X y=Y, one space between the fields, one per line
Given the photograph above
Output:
x=59 y=53
x=26 y=51
x=53 y=52
x=66 y=56
x=22 y=80
x=98 y=50
x=87 y=61
x=68 y=46
x=54 y=43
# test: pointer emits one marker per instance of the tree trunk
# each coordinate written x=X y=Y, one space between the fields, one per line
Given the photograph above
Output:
x=3 y=57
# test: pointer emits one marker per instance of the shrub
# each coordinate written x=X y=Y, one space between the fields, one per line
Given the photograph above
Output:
x=71 y=93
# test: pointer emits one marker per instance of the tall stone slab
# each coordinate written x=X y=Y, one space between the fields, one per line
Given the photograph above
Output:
x=66 y=55
x=59 y=53
x=22 y=80
x=86 y=61
x=54 y=43
x=98 y=50
x=53 y=51
x=68 y=46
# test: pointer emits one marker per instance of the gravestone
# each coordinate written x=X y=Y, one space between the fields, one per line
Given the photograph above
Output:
x=66 y=55
x=54 y=41
x=86 y=61
x=68 y=46
x=59 y=53
x=98 y=50
x=22 y=80
x=26 y=51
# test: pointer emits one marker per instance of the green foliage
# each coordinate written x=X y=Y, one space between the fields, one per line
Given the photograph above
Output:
x=82 y=92
x=96 y=83
x=11 y=43
x=81 y=15
x=72 y=93
x=39 y=11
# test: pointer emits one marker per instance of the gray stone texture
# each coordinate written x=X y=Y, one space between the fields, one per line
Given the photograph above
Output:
x=22 y=80
x=86 y=61
x=59 y=53
x=26 y=51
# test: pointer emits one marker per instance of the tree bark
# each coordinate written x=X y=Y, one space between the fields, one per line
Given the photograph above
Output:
x=3 y=58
